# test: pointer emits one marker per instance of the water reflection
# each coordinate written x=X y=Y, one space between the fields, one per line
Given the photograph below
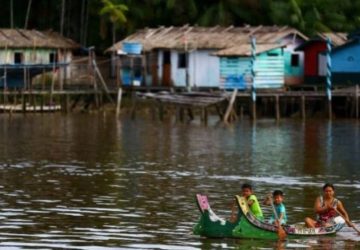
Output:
x=91 y=181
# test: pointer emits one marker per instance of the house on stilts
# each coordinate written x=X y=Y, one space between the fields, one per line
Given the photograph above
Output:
x=187 y=56
x=315 y=56
x=27 y=53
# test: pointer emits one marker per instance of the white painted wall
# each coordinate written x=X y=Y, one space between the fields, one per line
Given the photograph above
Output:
x=203 y=69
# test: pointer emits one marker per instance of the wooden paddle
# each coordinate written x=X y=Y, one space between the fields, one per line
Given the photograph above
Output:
x=348 y=222
x=281 y=232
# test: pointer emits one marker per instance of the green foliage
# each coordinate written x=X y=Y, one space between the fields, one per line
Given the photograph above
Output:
x=116 y=12
x=86 y=19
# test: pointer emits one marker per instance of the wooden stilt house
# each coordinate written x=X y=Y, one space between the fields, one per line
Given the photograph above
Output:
x=27 y=53
x=184 y=56
x=314 y=56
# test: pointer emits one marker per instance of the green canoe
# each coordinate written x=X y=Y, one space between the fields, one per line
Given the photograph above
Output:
x=247 y=226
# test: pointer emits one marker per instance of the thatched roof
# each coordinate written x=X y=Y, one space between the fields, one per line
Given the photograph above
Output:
x=192 y=37
x=21 y=38
x=245 y=49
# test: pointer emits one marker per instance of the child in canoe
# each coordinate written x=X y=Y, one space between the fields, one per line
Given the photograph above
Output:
x=278 y=207
x=253 y=203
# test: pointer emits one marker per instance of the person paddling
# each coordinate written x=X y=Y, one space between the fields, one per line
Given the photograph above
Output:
x=279 y=212
x=327 y=208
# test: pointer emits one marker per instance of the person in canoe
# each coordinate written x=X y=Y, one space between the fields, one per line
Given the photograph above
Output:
x=327 y=208
x=279 y=207
x=253 y=203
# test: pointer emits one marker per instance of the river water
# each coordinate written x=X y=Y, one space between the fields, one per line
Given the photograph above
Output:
x=91 y=181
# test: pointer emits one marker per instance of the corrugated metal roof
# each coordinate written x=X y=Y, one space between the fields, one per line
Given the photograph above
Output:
x=193 y=37
x=21 y=38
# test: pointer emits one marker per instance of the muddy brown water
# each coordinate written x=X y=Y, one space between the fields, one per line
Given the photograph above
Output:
x=91 y=181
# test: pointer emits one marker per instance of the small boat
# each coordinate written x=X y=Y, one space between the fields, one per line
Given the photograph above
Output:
x=247 y=225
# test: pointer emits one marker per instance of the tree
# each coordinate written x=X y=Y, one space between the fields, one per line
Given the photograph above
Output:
x=116 y=13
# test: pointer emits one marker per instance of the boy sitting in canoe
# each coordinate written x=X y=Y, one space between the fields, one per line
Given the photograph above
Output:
x=279 y=211
x=247 y=193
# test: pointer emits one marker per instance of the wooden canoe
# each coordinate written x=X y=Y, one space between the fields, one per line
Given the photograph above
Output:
x=248 y=226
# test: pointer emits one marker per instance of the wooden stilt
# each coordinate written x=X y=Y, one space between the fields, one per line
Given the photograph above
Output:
x=303 y=107
x=230 y=106
x=277 y=107
x=34 y=102
x=134 y=104
x=241 y=112
x=23 y=102
x=101 y=99
x=204 y=115
x=67 y=103
x=118 y=103
x=219 y=111
x=76 y=101
x=181 y=114
x=15 y=98
x=190 y=114
x=42 y=103
x=177 y=113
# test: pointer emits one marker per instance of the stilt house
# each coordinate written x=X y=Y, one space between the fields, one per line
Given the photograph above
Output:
x=315 y=58
x=27 y=53
x=186 y=56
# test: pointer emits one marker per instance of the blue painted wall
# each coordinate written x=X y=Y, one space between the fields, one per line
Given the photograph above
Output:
x=235 y=72
x=346 y=59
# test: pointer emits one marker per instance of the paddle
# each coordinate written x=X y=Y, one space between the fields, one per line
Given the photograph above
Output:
x=281 y=232
x=348 y=222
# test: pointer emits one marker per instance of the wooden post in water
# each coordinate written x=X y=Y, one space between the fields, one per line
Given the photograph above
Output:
x=133 y=104
x=23 y=102
x=204 y=115
x=118 y=103
x=241 y=112
x=34 y=102
x=67 y=103
x=230 y=106
x=42 y=103
x=190 y=114
x=303 y=107
x=179 y=113
x=277 y=107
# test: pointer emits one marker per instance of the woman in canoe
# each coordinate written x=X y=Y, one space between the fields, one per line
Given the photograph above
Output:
x=327 y=208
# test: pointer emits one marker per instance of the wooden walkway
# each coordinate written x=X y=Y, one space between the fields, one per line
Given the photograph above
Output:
x=229 y=105
x=274 y=98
